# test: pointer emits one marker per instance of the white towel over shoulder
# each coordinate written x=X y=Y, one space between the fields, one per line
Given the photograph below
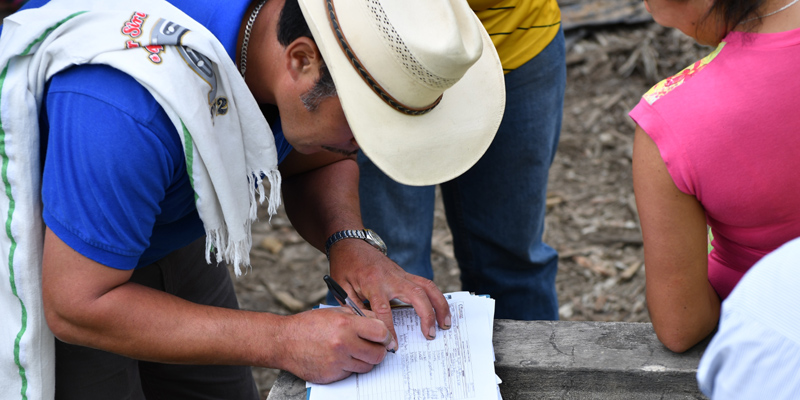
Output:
x=228 y=144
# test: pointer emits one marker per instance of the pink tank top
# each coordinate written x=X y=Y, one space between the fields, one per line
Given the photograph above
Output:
x=728 y=129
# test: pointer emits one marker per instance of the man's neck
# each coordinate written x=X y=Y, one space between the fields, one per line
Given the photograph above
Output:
x=262 y=49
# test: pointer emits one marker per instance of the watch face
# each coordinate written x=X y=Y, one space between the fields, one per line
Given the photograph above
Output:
x=375 y=240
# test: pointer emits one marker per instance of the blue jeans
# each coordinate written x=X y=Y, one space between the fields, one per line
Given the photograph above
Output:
x=496 y=209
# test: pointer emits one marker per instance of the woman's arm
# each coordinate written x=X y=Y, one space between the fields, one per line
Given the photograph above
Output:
x=683 y=306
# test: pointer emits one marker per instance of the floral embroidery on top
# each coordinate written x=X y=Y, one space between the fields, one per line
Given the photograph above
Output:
x=667 y=85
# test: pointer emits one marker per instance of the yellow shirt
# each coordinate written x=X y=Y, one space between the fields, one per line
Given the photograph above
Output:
x=520 y=29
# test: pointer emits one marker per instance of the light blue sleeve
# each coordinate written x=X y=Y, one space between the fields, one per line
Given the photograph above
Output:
x=756 y=351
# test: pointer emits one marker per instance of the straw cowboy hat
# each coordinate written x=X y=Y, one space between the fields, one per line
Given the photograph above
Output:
x=419 y=80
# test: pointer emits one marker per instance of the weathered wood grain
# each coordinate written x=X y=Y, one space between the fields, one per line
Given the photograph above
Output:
x=575 y=360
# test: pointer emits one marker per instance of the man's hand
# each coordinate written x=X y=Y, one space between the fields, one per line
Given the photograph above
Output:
x=320 y=193
x=328 y=345
x=366 y=274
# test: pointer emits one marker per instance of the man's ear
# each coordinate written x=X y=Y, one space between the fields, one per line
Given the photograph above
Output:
x=302 y=59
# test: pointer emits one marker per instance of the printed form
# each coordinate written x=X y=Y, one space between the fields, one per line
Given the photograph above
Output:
x=457 y=365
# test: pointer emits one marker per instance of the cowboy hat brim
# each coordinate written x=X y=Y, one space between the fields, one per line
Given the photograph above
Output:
x=422 y=149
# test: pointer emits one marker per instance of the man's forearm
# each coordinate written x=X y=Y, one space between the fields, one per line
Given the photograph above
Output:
x=323 y=201
x=90 y=304
x=147 y=324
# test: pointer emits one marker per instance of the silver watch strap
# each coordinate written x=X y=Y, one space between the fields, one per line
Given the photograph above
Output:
x=345 y=234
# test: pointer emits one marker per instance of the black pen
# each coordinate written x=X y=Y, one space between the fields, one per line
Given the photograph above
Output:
x=341 y=295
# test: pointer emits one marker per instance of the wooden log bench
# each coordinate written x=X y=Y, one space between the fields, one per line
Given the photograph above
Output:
x=575 y=360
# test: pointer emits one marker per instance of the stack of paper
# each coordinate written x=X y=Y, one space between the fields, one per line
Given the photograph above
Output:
x=457 y=365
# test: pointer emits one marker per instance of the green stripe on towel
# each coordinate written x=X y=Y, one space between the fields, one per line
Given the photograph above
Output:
x=11 y=208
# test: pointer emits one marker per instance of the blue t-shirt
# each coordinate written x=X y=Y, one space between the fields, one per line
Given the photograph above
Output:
x=115 y=186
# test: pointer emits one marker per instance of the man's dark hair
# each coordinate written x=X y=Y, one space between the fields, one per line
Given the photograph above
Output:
x=291 y=26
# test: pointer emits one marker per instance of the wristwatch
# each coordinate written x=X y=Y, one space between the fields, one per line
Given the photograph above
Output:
x=367 y=235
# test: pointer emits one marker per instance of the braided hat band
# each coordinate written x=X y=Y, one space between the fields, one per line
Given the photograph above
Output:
x=366 y=76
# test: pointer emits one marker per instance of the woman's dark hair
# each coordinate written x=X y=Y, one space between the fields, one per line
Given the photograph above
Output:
x=733 y=12
x=291 y=26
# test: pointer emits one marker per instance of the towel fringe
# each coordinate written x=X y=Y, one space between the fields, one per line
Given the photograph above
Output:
x=234 y=252
x=274 y=178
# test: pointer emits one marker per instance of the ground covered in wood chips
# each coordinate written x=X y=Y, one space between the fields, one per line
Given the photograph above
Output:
x=591 y=217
